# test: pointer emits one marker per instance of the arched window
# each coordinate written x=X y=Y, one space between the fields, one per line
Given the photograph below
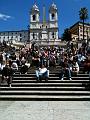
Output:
x=34 y=17
x=53 y=35
x=53 y=16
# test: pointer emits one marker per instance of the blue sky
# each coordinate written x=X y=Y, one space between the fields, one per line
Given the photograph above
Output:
x=14 y=14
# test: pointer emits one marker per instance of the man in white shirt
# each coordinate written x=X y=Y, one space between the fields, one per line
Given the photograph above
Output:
x=14 y=66
x=75 y=67
x=2 y=65
x=42 y=72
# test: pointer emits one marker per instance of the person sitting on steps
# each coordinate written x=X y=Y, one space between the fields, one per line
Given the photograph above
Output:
x=75 y=68
x=42 y=72
x=65 y=70
x=7 y=74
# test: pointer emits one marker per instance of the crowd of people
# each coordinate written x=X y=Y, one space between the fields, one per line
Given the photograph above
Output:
x=71 y=61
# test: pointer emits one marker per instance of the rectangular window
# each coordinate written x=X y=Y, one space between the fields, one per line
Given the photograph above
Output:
x=33 y=35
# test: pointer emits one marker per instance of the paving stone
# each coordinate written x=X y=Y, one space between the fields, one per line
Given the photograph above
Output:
x=44 y=110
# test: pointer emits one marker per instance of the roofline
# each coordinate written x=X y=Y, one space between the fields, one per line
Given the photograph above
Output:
x=79 y=23
x=14 y=31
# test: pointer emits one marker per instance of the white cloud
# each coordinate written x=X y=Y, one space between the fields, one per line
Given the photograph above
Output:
x=5 y=17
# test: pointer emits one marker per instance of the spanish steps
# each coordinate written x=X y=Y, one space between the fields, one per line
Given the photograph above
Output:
x=26 y=87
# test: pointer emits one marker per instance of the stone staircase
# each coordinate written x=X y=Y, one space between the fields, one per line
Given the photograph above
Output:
x=25 y=87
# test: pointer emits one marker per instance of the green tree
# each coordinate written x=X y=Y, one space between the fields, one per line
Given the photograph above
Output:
x=83 y=14
x=67 y=35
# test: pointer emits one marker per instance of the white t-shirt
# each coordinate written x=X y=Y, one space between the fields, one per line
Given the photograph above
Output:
x=27 y=64
x=2 y=66
x=42 y=70
x=76 y=66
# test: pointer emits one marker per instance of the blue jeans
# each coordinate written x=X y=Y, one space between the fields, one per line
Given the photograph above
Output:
x=66 y=72
x=41 y=75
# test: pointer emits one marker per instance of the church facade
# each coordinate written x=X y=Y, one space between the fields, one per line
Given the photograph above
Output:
x=45 y=30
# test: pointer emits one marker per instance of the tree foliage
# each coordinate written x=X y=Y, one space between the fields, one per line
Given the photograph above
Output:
x=66 y=35
x=83 y=13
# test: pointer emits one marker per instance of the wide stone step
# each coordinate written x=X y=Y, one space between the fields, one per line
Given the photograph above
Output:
x=47 y=84
x=44 y=88
x=54 y=73
x=42 y=92
x=50 y=81
x=51 y=74
x=46 y=97
x=52 y=78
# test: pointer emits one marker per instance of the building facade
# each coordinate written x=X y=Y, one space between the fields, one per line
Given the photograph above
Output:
x=10 y=36
x=77 y=31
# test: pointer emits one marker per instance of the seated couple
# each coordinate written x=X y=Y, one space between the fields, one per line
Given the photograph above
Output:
x=67 y=68
x=42 y=73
